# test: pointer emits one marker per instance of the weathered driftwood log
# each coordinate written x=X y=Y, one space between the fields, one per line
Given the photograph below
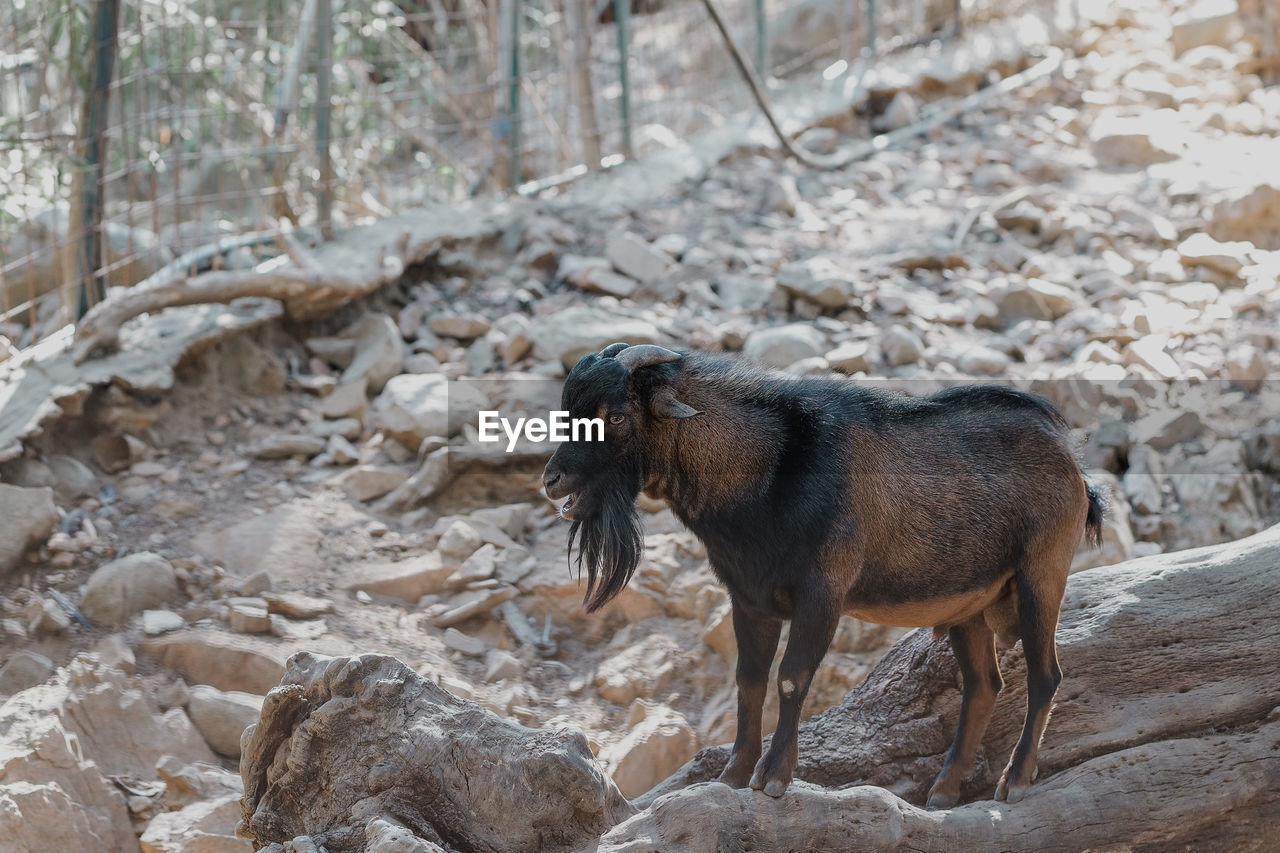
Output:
x=1169 y=708
x=1166 y=733
x=349 y=750
x=305 y=287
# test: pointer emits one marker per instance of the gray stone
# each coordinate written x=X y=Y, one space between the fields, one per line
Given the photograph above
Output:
x=459 y=541
x=850 y=357
x=653 y=750
x=632 y=256
x=72 y=479
x=379 y=352
x=297 y=605
x=369 y=482
x=1033 y=298
x=782 y=346
x=259 y=581
x=284 y=446
x=285 y=542
x=341 y=451
x=1151 y=352
x=23 y=669
x=29 y=517
x=414 y=406
x=500 y=664
x=780 y=195
x=901 y=346
x=220 y=659
x=207 y=826
x=347 y=401
x=48 y=618
x=568 y=335
x=1209 y=22
x=221 y=716
x=595 y=275
x=1249 y=212
x=1246 y=366
x=1131 y=141
x=818 y=280
x=983 y=360
x=337 y=351
x=745 y=291
x=460 y=326
x=348 y=428
x=248 y=615
x=408 y=580
x=1163 y=429
x=156 y=622
x=902 y=111
x=465 y=643
x=1201 y=250
x=125 y=586
x=820 y=140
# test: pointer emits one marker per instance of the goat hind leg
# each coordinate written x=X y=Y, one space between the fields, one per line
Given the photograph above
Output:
x=974 y=645
x=1039 y=600
x=757 y=639
x=816 y=616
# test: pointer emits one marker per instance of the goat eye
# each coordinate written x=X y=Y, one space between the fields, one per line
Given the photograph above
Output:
x=617 y=419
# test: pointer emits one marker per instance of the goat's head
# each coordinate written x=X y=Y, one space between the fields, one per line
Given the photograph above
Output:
x=597 y=482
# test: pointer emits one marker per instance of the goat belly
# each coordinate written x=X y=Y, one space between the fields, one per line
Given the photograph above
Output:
x=930 y=611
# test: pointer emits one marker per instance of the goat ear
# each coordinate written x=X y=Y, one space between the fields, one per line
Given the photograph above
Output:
x=665 y=405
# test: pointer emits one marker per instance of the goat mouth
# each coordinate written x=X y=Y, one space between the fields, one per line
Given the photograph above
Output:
x=566 y=508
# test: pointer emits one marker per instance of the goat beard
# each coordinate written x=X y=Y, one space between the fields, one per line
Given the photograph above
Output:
x=610 y=541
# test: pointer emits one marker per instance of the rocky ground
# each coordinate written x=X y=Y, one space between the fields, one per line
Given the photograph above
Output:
x=1109 y=237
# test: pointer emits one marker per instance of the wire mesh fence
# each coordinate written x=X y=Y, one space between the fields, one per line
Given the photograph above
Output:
x=135 y=133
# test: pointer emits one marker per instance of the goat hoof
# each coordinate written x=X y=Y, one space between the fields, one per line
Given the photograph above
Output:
x=755 y=784
x=732 y=777
x=1011 y=792
x=939 y=800
x=776 y=788
x=1015 y=793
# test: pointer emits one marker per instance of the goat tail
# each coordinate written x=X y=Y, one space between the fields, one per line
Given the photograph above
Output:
x=1097 y=509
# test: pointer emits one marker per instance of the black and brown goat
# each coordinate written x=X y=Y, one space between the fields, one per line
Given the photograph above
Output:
x=817 y=497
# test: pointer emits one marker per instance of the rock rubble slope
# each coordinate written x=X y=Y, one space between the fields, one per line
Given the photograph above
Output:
x=1108 y=237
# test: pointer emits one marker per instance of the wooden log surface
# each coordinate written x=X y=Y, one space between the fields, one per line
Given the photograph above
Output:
x=1166 y=735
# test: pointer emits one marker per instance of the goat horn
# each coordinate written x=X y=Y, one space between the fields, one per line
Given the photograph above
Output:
x=613 y=349
x=643 y=355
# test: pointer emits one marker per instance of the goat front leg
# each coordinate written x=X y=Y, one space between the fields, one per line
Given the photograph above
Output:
x=814 y=619
x=757 y=638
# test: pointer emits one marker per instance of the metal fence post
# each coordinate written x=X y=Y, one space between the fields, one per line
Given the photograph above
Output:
x=324 y=96
x=93 y=280
x=506 y=125
x=871 y=27
x=584 y=93
x=621 y=21
x=762 y=42
x=513 y=92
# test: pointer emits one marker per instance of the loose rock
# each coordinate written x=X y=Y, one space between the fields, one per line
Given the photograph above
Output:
x=379 y=352
x=782 y=346
x=222 y=716
x=24 y=668
x=901 y=346
x=29 y=517
x=123 y=587
x=632 y=256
